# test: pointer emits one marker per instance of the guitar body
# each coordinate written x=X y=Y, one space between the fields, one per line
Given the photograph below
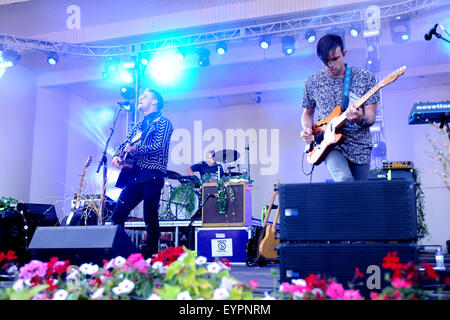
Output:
x=268 y=244
x=127 y=173
x=326 y=136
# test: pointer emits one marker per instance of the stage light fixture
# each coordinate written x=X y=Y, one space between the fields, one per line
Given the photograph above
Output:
x=310 y=36
x=373 y=62
x=288 y=45
x=52 y=58
x=11 y=56
x=355 y=29
x=400 y=30
x=221 y=48
x=144 y=58
x=203 y=57
x=127 y=92
x=265 y=42
x=181 y=53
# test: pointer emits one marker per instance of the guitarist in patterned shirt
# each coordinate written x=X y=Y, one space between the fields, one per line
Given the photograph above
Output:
x=323 y=91
x=145 y=178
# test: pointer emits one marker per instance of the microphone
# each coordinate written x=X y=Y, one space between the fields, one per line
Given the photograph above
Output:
x=430 y=33
x=124 y=105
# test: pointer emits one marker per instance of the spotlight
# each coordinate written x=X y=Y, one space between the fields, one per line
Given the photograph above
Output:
x=400 y=30
x=265 y=42
x=203 y=57
x=373 y=62
x=181 y=53
x=144 y=58
x=52 y=58
x=288 y=43
x=11 y=56
x=355 y=29
x=127 y=92
x=221 y=48
x=310 y=36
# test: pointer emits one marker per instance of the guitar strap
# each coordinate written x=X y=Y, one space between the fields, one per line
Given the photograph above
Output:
x=346 y=89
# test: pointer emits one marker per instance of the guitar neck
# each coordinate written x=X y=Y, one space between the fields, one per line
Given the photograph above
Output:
x=341 y=118
x=77 y=200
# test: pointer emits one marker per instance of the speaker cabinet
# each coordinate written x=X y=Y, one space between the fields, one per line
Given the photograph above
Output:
x=238 y=212
x=368 y=210
x=81 y=244
x=339 y=261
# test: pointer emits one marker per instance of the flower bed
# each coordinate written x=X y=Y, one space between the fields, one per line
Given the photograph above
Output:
x=179 y=274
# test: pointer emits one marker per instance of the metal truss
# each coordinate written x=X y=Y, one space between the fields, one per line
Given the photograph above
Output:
x=292 y=26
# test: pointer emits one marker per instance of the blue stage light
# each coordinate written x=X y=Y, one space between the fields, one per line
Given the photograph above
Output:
x=221 y=48
x=52 y=58
x=265 y=42
x=288 y=45
x=310 y=36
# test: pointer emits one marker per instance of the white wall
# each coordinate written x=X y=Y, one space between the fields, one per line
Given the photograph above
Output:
x=17 y=110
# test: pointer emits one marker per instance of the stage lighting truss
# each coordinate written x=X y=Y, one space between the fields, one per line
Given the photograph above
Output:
x=342 y=19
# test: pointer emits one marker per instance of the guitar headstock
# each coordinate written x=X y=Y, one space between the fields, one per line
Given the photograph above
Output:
x=88 y=162
x=393 y=76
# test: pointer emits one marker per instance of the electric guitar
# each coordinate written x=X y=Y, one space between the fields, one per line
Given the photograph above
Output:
x=128 y=170
x=75 y=212
x=326 y=132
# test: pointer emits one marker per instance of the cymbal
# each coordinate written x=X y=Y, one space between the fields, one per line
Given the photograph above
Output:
x=226 y=156
x=172 y=175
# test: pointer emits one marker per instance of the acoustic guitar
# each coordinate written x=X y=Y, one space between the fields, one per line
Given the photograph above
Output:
x=75 y=213
x=128 y=170
x=266 y=237
x=326 y=132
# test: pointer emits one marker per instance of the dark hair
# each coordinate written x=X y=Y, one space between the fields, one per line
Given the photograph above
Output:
x=158 y=98
x=328 y=43
x=212 y=152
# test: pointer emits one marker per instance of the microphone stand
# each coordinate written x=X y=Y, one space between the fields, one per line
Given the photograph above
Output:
x=247 y=148
x=104 y=161
x=194 y=216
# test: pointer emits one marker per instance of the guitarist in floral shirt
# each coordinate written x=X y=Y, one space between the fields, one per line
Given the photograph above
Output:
x=323 y=91
x=147 y=145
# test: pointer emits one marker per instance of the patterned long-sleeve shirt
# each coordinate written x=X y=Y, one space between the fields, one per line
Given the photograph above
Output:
x=152 y=150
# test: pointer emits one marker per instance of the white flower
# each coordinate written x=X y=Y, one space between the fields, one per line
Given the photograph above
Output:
x=184 y=296
x=268 y=297
x=117 y=291
x=200 y=260
x=60 y=294
x=18 y=285
x=316 y=291
x=11 y=270
x=98 y=294
x=220 y=294
x=299 y=282
x=73 y=275
x=126 y=286
x=148 y=262
x=154 y=296
x=214 y=267
x=88 y=268
x=227 y=283
x=119 y=262
x=158 y=265
x=182 y=257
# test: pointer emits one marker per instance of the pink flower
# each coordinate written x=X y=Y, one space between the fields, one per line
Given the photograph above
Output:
x=401 y=283
x=136 y=260
x=352 y=295
x=33 y=269
x=335 y=291
x=254 y=284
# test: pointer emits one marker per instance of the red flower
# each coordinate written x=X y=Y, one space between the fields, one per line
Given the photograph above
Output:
x=169 y=255
x=391 y=261
x=359 y=274
x=10 y=255
x=2 y=256
x=431 y=274
x=314 y=281
x=226 y=262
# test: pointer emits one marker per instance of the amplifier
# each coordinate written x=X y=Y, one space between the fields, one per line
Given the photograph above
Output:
x=238 y=212
x=345 y=211
x=390 y=174
x=339 y=261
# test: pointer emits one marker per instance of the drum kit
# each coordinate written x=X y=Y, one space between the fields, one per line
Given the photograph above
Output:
x=177 y=209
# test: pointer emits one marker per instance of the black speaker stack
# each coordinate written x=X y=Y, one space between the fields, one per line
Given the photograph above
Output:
x=333 y=228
